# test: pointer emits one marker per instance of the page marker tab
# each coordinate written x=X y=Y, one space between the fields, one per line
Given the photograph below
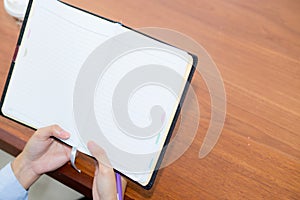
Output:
x=73 y=158
x=16 y=53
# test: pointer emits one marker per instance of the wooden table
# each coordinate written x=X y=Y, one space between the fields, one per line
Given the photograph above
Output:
x=256 y=46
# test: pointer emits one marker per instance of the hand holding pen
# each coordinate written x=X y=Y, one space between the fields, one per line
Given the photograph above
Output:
x=106 y=184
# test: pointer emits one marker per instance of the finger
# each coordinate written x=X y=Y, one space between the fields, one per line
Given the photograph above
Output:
x=96 y=170
x=124 y=185
x=95 y=190
x=53 y=130
x=68 y=150
x=105 y=176
x=124 y=181
x=99 y=154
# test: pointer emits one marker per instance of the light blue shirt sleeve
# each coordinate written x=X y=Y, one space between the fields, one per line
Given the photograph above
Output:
x=10 y=187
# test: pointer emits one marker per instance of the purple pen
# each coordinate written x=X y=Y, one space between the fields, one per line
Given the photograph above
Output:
x=119 y=186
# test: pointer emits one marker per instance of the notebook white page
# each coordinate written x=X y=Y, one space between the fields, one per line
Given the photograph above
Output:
x=56 y=43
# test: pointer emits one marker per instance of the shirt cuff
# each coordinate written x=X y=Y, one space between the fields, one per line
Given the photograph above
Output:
x=10 y=187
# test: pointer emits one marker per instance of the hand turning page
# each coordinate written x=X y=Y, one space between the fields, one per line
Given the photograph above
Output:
x=100 y=81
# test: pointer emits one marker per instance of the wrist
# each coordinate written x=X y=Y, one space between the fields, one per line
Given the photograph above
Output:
x=24 y=172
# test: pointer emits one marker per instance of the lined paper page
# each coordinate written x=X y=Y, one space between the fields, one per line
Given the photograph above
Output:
x=53 y=49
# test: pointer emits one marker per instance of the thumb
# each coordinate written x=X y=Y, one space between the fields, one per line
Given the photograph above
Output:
x=53 y=130
x=98 y=153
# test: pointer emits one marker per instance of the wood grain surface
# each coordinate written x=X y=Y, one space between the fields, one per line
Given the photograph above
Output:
x=256 y=46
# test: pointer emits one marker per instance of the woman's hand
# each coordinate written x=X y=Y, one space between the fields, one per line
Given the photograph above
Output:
x=41 y=154
x=104 y=184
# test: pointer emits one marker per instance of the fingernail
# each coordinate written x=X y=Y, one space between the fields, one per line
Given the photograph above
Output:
x=91 y=145
x=63 y=133
x=58 y=130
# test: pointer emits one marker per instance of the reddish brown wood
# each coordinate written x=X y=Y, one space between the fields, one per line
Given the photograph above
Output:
x=256 y=46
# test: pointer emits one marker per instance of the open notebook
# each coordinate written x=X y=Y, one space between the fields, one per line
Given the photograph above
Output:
x=100 y=81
